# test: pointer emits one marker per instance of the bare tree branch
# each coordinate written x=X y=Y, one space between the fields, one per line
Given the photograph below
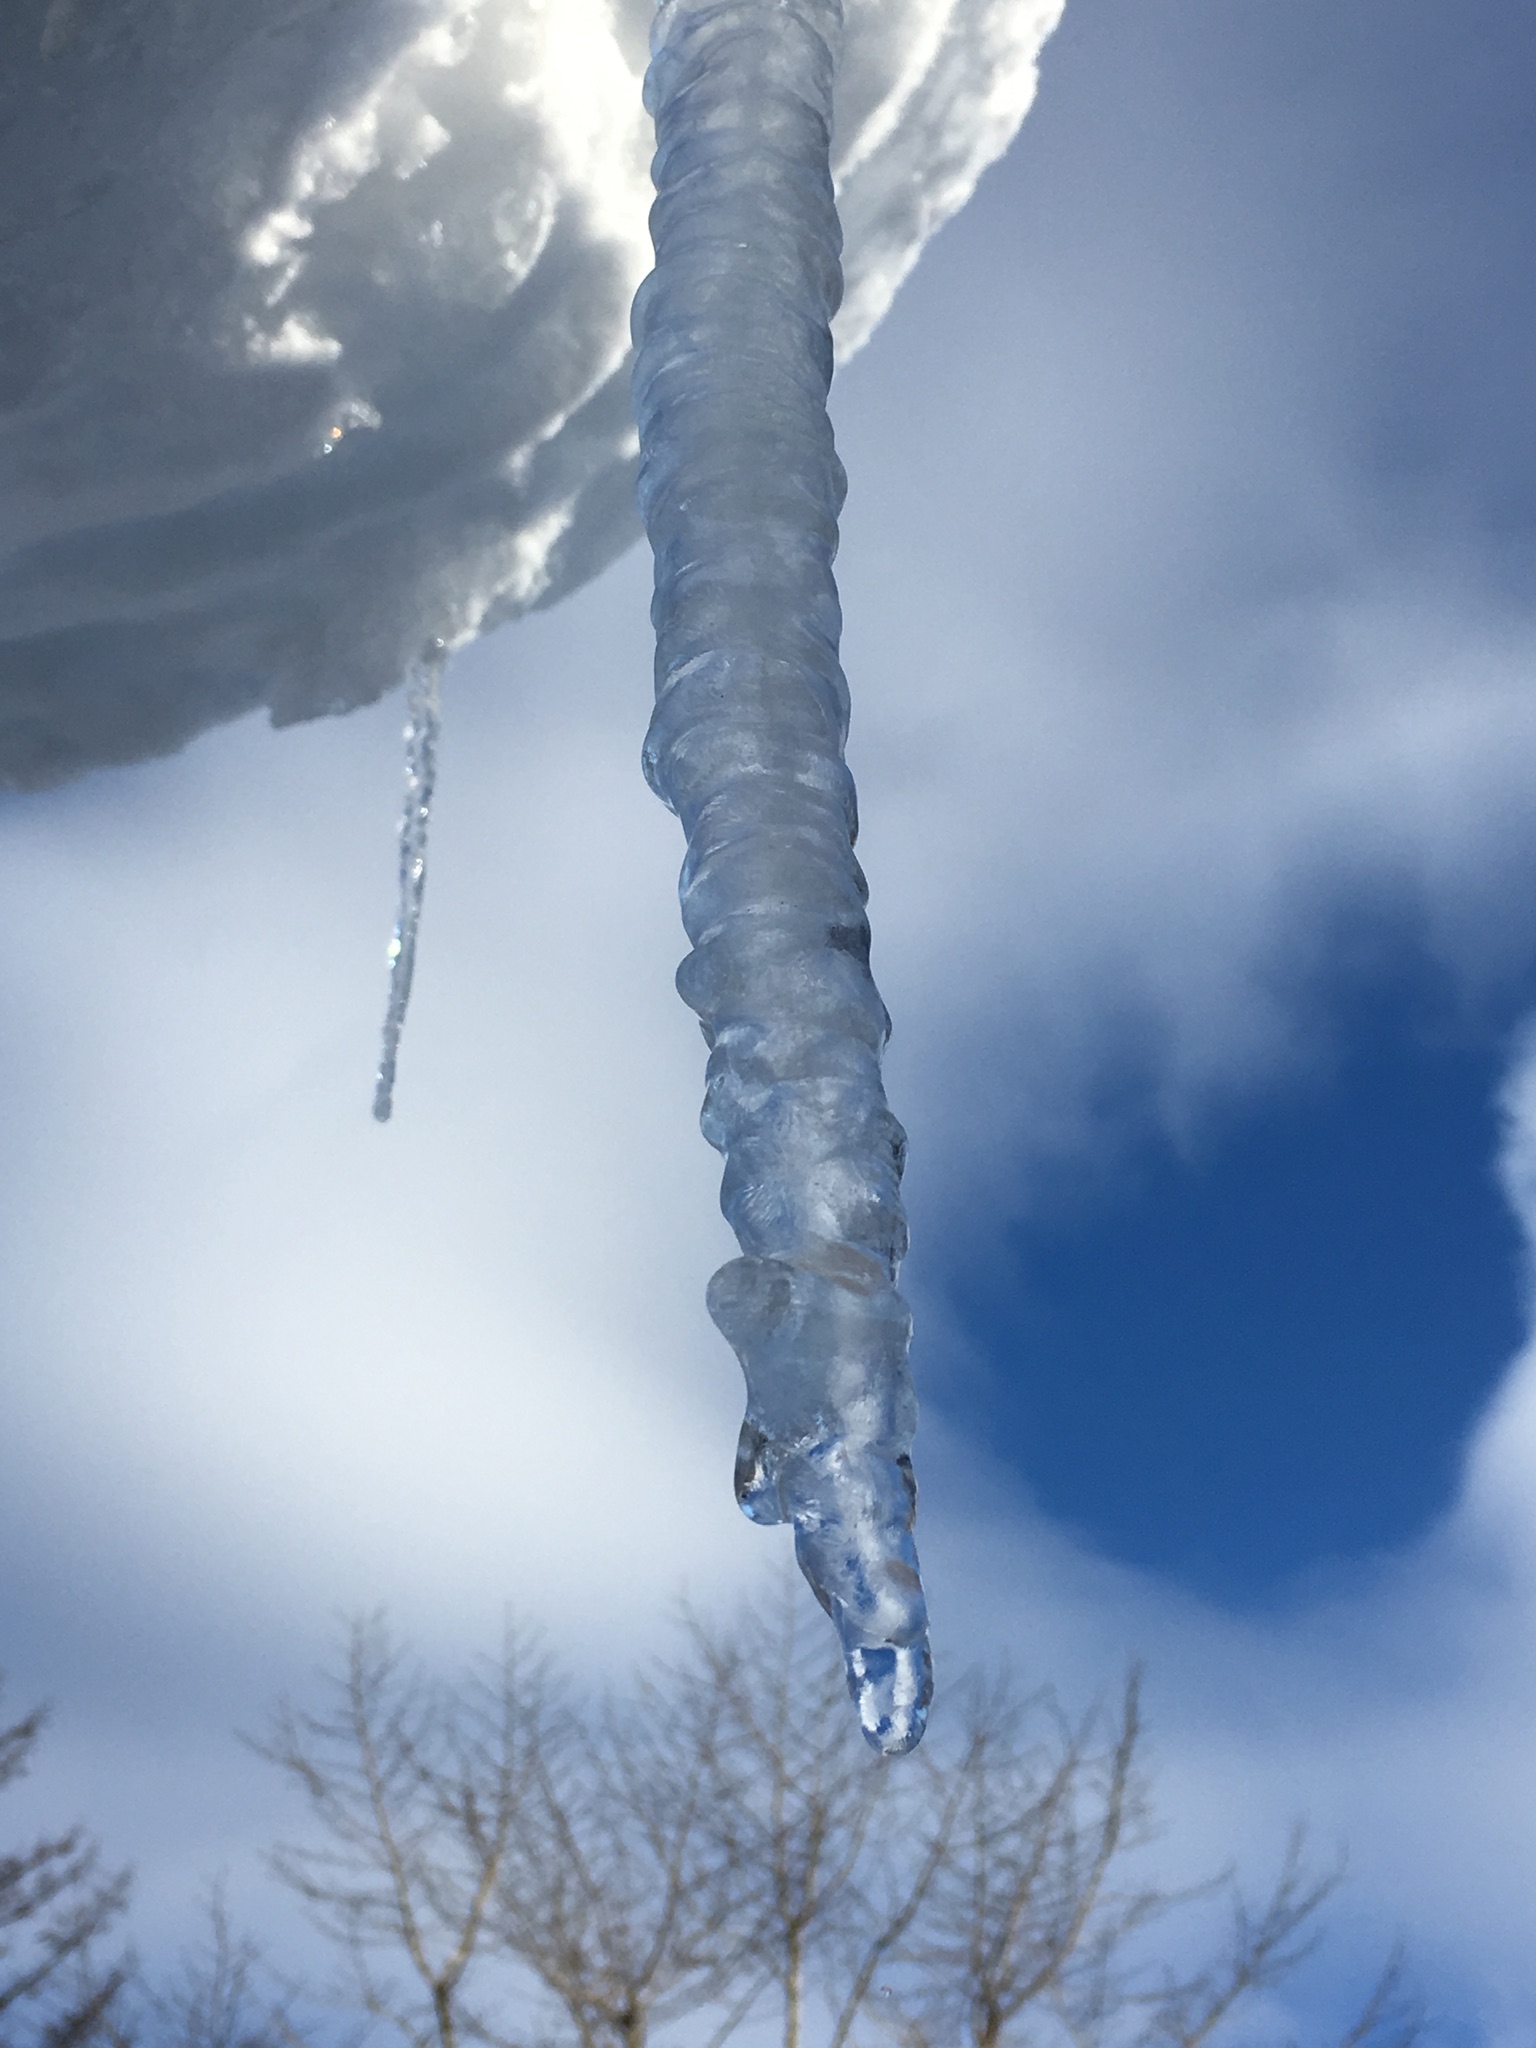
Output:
x=417 y=1794
x=216 y=1998
x=714 y=1849
x=57 y=1906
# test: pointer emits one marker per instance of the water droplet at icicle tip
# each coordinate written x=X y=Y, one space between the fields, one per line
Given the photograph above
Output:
x=422 y=726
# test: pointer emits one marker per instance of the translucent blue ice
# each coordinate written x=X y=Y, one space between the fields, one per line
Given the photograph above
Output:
x=740 y=488
x=423 y=721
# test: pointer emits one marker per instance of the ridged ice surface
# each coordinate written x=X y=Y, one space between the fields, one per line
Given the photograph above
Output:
x=422 y=725
x=740 y=488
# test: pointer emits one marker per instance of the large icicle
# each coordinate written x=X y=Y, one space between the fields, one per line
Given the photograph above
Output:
x=740 y=488
x=422 y=724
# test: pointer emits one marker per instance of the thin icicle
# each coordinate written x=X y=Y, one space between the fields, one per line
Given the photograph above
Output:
x=740 y=490
x=423 y=723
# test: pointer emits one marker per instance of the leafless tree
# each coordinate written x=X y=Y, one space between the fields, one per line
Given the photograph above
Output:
x=833 y=1863
x=418 y=1794
x=1264 y=1947
x=222 y=1995
x=629 y=1903
x=1023 y=1915
x=57 y=1907
x=1031 y=1931
x=714 y=1850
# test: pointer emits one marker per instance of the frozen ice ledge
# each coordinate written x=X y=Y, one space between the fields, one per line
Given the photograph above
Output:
x=314 y=327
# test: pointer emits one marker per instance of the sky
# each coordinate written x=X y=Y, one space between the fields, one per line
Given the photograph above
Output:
x=1187 y=570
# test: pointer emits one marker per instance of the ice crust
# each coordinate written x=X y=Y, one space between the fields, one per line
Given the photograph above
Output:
x=740 y=489
x=314 y=326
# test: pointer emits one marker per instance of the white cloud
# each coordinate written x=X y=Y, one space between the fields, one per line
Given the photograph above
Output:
x=415 y=1353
